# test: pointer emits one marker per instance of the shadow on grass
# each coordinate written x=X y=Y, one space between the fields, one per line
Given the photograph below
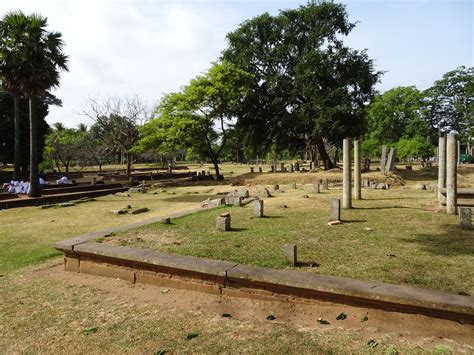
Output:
x=270 y=217
x=381 y=208
x=238 y=229
x=391 y=198
x=451 y=241
x=353 y=220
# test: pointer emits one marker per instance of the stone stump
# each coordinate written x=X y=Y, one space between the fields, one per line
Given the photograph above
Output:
x=276 y=187
x=282 y=167
x=316 y=188
x=335 y=210
x=297 y=166
x=465 y=217
x=258 y=208
x=252 y=170
x=223 y=222
x=260 y=169
x=325 y=184
x=292 y=168
x=290 y=254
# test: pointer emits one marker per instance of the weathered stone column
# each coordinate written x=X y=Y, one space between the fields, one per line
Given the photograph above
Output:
x=441 y=168
x=357 y=171
x=383 y=159
x=347 y=174
x=451 y=174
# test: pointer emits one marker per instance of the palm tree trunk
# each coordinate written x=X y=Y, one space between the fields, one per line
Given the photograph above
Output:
x=17 y=160
x=34 y=182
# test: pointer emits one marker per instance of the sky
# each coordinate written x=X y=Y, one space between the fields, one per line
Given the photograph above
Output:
x=121 y=48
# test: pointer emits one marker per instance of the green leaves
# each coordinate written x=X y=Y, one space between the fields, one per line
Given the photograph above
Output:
x=341 y=316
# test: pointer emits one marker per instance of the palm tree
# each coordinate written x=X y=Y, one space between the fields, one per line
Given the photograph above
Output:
x=39 y=62
x=12 y=28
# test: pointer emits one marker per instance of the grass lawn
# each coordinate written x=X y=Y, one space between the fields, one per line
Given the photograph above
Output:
x=392 y=236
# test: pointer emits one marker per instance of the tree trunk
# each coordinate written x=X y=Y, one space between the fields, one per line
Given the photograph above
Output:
x=215 y=162
x=17 y=159
x=129 y=164
x=328 y=164
x=34 y=182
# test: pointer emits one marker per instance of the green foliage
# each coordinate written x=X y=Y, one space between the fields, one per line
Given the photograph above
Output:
x=416 y=147
x=200 y=116
x=62 y=146
x=449 y=103
x=309 y=85
x=394 y=114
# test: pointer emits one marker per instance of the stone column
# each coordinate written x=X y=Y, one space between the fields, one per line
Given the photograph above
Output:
x=347 y=174
x=258 y=208
x=383 y=159
x=441 y=168
x=282 y=167
x=94 y=181
x=335 y=210
x=357 y=171
x=451 y=174
x=465 y=217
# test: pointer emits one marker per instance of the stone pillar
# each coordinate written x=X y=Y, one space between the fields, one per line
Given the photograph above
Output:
x=357 y=171
x=282 y=167
x=252 y=170
x=441 y=168
x=94 y=181
x=294 y=185
x=273 y=168
x=316 y=188
x=276 y=187
x=292 y=169
x=260 y=169
x=297 y=166
x=383 y=159
x=325 y=184
x=347 y=174
x=223 y=222
x=258 y=208
x=290 y=254
x=451 y=174
x=311 y=166
x=465 y=217
x=335 y=210
x=391 y=160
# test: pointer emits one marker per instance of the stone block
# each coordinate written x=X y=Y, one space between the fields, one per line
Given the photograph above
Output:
x=166 y=220
x=260 y=169
x=465 y=217
x=71 y=264
x=139 y=210
x=316 y=188
x=290 y=254
x=88 y=267
x=258 y=208
x=223 y=222
x=335 y=210
x=252 y=170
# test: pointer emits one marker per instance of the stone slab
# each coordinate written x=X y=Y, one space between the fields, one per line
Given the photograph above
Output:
x=150 y=257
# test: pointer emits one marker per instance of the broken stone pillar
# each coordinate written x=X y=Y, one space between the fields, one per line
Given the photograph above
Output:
x=465 y=217
x=93 y=181
x=290 y=254
x=273 y=168
x=292 y=169
x=282 y=167
x=258 y=208
x=335 y=210
x=391 y=160
x=276 y=187
x=252 y=170
x=294 y=185
x=347 y=174
x=316 y=188
x=451 y=173
x=311 y=166
x=325 y=184
x=357 y=171
x=441 y=168
x=383 y=159
x=297 y=166
x=166 y=220
x=223 y=222
x=260 y=169
x=267 y=193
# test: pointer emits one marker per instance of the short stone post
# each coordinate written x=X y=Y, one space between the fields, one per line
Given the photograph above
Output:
x=294 y=185
x=316 y=188
x=451 y=174
x=465 y=217
x=223 y=222
x=325 y=184
x=297 y=166
x=282 y=167
x=335 y=211
x=260 y=169
x=290 y=254
x=311 y=166
x=166 y=220
x=93 y=181
x=292 y=168
x=276 y=187
x=383 y=159
x=258 y=208
x=441 y=168
x=252 y=170
x=347 y=174
x=357 y=171
x=273 y=168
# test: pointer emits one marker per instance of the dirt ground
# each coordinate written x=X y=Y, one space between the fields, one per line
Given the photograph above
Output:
x=394 y=328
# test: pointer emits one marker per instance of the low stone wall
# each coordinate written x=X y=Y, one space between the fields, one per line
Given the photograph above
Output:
x=229 y=278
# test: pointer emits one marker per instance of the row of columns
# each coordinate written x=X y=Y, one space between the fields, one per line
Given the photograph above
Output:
x=347 y=173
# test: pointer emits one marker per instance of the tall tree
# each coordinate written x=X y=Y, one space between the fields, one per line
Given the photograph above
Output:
x=310 y=88
x=201 y=116
x=40 y=58
x=117 y=121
